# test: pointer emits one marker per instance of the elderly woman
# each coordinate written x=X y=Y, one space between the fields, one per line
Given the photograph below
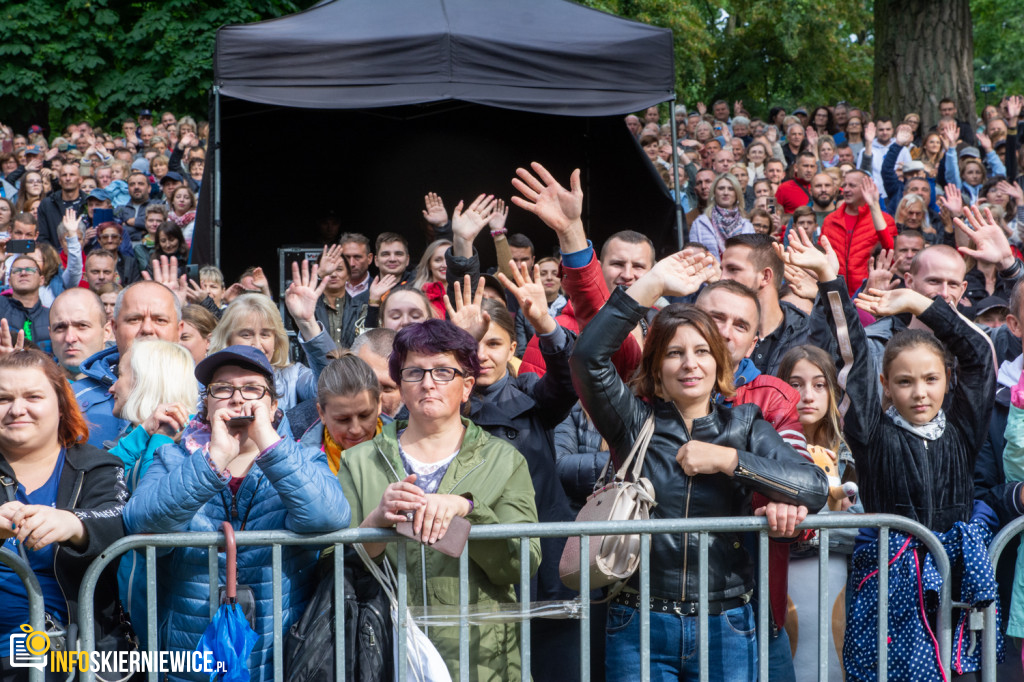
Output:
x=439 y=466
x=724 y=217
x=249 y=474
x=62 y=501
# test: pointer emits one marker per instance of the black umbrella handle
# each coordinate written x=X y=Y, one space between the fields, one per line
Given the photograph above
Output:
x=232 y=560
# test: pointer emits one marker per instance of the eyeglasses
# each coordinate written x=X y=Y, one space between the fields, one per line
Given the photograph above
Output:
x=440 y=375
x=109 y=237
x=24 y=271
x=226 y=391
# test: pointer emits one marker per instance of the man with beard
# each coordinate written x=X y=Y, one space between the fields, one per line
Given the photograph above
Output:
x=702 y=188
x=823 y=197
x=797 y=192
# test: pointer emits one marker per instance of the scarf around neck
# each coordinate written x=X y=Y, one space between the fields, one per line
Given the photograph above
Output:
x=933 y=430
x=727 y=221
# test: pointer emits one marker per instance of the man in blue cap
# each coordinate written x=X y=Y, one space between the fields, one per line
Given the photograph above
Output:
x=170 y=182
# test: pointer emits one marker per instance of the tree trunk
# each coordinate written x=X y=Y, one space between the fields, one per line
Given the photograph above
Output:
x=924 y=51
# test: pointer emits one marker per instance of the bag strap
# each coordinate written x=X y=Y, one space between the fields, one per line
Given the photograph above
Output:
x=9 y=485
x=385 y=579
x=642 y=439
x=640 y=447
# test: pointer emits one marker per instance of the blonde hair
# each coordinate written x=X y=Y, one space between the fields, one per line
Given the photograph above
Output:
x=163 y=373
x=423 y=274
x=238 y=312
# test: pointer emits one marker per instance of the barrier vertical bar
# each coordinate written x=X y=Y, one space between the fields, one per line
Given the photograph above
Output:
x=463 y=616
x=585 y=613
x=213 y=566
x=645 y=607
x=339 y=611
x=278 y=605
x=703 y=638
x=403 y=610
x=524 y=607
x=152 y=637
x=823 y=602
x=763 y=606
x=215 y=218
x=988 y=645
x=883 y=603
x=677 y=185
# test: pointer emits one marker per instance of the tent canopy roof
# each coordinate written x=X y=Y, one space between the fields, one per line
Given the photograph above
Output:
x=543 y=56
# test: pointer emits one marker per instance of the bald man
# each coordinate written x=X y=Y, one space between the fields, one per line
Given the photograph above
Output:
x=78 y=329
x=145 y=310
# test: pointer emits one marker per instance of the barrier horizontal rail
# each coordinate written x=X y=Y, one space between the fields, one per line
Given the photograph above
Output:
x=702 y=526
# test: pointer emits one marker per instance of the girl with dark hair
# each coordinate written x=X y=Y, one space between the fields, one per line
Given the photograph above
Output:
x=704 y=460
x=915 y=457
x=823 y=123
x=170 y=242
x=62 y=499
x=524 y=410
x=440 y=465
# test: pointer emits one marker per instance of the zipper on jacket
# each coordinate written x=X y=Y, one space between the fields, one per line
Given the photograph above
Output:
x=56 y=551
x=747 y=473
x=686 y=536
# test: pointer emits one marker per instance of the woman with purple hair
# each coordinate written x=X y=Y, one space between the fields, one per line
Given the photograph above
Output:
x=439 y=465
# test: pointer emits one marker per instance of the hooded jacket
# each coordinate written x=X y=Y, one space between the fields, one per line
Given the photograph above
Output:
x=289 y=487
x=94 y=398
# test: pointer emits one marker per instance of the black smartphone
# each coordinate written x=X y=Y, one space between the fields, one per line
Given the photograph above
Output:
x=771 y=205
x=193 y=272
x=243 y=420
x=102 y=215
x=21 y=246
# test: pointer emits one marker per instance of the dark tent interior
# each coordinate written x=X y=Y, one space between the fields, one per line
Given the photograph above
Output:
x=357 y=108
x=371 y=169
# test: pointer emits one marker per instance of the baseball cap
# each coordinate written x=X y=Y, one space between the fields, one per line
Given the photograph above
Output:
x=970 y=152
x=145 y=113
x=33 y=150
x=988 y=303
x=246 y=357
x=99 y=195
x=491 y=282
x=35 y=130
x=171 y=175
x=800 y=110
x=912 y=166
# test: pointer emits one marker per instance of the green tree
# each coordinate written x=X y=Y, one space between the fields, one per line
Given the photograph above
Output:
x=998 y=46
x=104 y=59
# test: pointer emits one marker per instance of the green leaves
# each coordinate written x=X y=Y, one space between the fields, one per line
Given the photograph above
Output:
x=102 y=60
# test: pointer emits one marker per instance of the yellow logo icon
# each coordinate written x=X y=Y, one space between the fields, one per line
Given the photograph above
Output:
x=37 y=643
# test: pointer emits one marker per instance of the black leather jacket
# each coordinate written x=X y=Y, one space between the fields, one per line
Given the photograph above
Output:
x=767 y=464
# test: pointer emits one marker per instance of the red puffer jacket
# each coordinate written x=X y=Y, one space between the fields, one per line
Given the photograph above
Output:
x=854 y=248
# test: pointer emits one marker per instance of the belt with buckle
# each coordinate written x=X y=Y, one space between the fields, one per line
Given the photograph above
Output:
x=682 y=608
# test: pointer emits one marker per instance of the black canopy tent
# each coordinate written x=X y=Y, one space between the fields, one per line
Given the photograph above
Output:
x=357 y=108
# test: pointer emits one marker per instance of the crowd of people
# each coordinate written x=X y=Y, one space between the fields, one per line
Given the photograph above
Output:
x=840 y=333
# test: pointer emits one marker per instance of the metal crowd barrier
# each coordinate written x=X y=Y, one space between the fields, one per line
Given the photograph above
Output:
x=35 y=599
x=704 y=527
x=988 y=641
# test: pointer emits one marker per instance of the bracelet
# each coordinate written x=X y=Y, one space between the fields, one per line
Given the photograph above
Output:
x=498 y=233
x=1011 y=272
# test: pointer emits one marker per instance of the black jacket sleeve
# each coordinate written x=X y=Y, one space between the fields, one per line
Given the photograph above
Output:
x=554 y=392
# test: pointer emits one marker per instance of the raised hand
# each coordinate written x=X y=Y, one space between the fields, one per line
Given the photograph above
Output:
x=259 y=280
x=680 y=274
x=530 y=293
x=496 y=223
x=193 y=292
x=468 y=312
x=951 y=131
x=880 y=271
x=165 y=271
x=71 y=223
x=702 y=108
x=737 y=108
x=801 y=282
x=985 y=142
x=380 y=286
x=301 y=298
x=1011 y=189
x=953 y=200
x=869 y=134
x=892 y=302
x=8 y=343
x=331 y=260
x=231 y=293
x=991 y=245
x=561 y=209
x=812 y=139
x=434 y=213
x=870 y=191
x=466 y=224
x=1014 y=105
x=904 y=135
x=803 y=254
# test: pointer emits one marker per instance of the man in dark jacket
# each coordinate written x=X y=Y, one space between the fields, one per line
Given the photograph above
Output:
x=21 y=308
x=52 y=209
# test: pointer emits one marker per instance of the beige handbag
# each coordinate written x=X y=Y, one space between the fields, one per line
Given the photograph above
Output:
x=613 y=558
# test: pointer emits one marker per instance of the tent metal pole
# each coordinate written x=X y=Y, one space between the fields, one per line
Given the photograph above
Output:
x=216 y=175
x=680 y=233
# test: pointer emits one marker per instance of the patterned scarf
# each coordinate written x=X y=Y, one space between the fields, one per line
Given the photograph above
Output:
x=931 y=431
x=182 y=220
x=727 y=222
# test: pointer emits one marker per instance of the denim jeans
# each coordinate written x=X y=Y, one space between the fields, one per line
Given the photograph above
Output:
x=732 y=654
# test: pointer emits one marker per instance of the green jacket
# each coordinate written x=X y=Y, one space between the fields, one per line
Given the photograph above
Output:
x=492 y=474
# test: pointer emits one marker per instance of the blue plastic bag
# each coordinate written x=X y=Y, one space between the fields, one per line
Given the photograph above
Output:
x=230 y=640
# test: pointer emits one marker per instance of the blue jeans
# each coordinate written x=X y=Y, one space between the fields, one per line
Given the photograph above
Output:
x=732 y=654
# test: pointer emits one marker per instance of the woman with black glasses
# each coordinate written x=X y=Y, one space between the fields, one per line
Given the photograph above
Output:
x=236 y=462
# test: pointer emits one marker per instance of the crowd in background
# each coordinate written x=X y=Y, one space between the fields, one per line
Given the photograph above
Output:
x=841 y=333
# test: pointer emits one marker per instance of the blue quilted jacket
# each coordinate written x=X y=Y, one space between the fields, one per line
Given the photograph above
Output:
x=289 y=487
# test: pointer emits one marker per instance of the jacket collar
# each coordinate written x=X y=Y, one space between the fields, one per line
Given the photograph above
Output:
x=471 y=454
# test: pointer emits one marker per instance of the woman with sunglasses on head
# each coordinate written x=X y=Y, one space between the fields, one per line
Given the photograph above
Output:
x=236 y=462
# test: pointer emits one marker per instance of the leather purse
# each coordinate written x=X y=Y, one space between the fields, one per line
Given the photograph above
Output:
x=627 y=497
x=453 y=541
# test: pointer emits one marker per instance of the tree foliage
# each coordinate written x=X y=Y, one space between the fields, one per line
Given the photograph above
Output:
x=998 y=46
x=102 y=60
